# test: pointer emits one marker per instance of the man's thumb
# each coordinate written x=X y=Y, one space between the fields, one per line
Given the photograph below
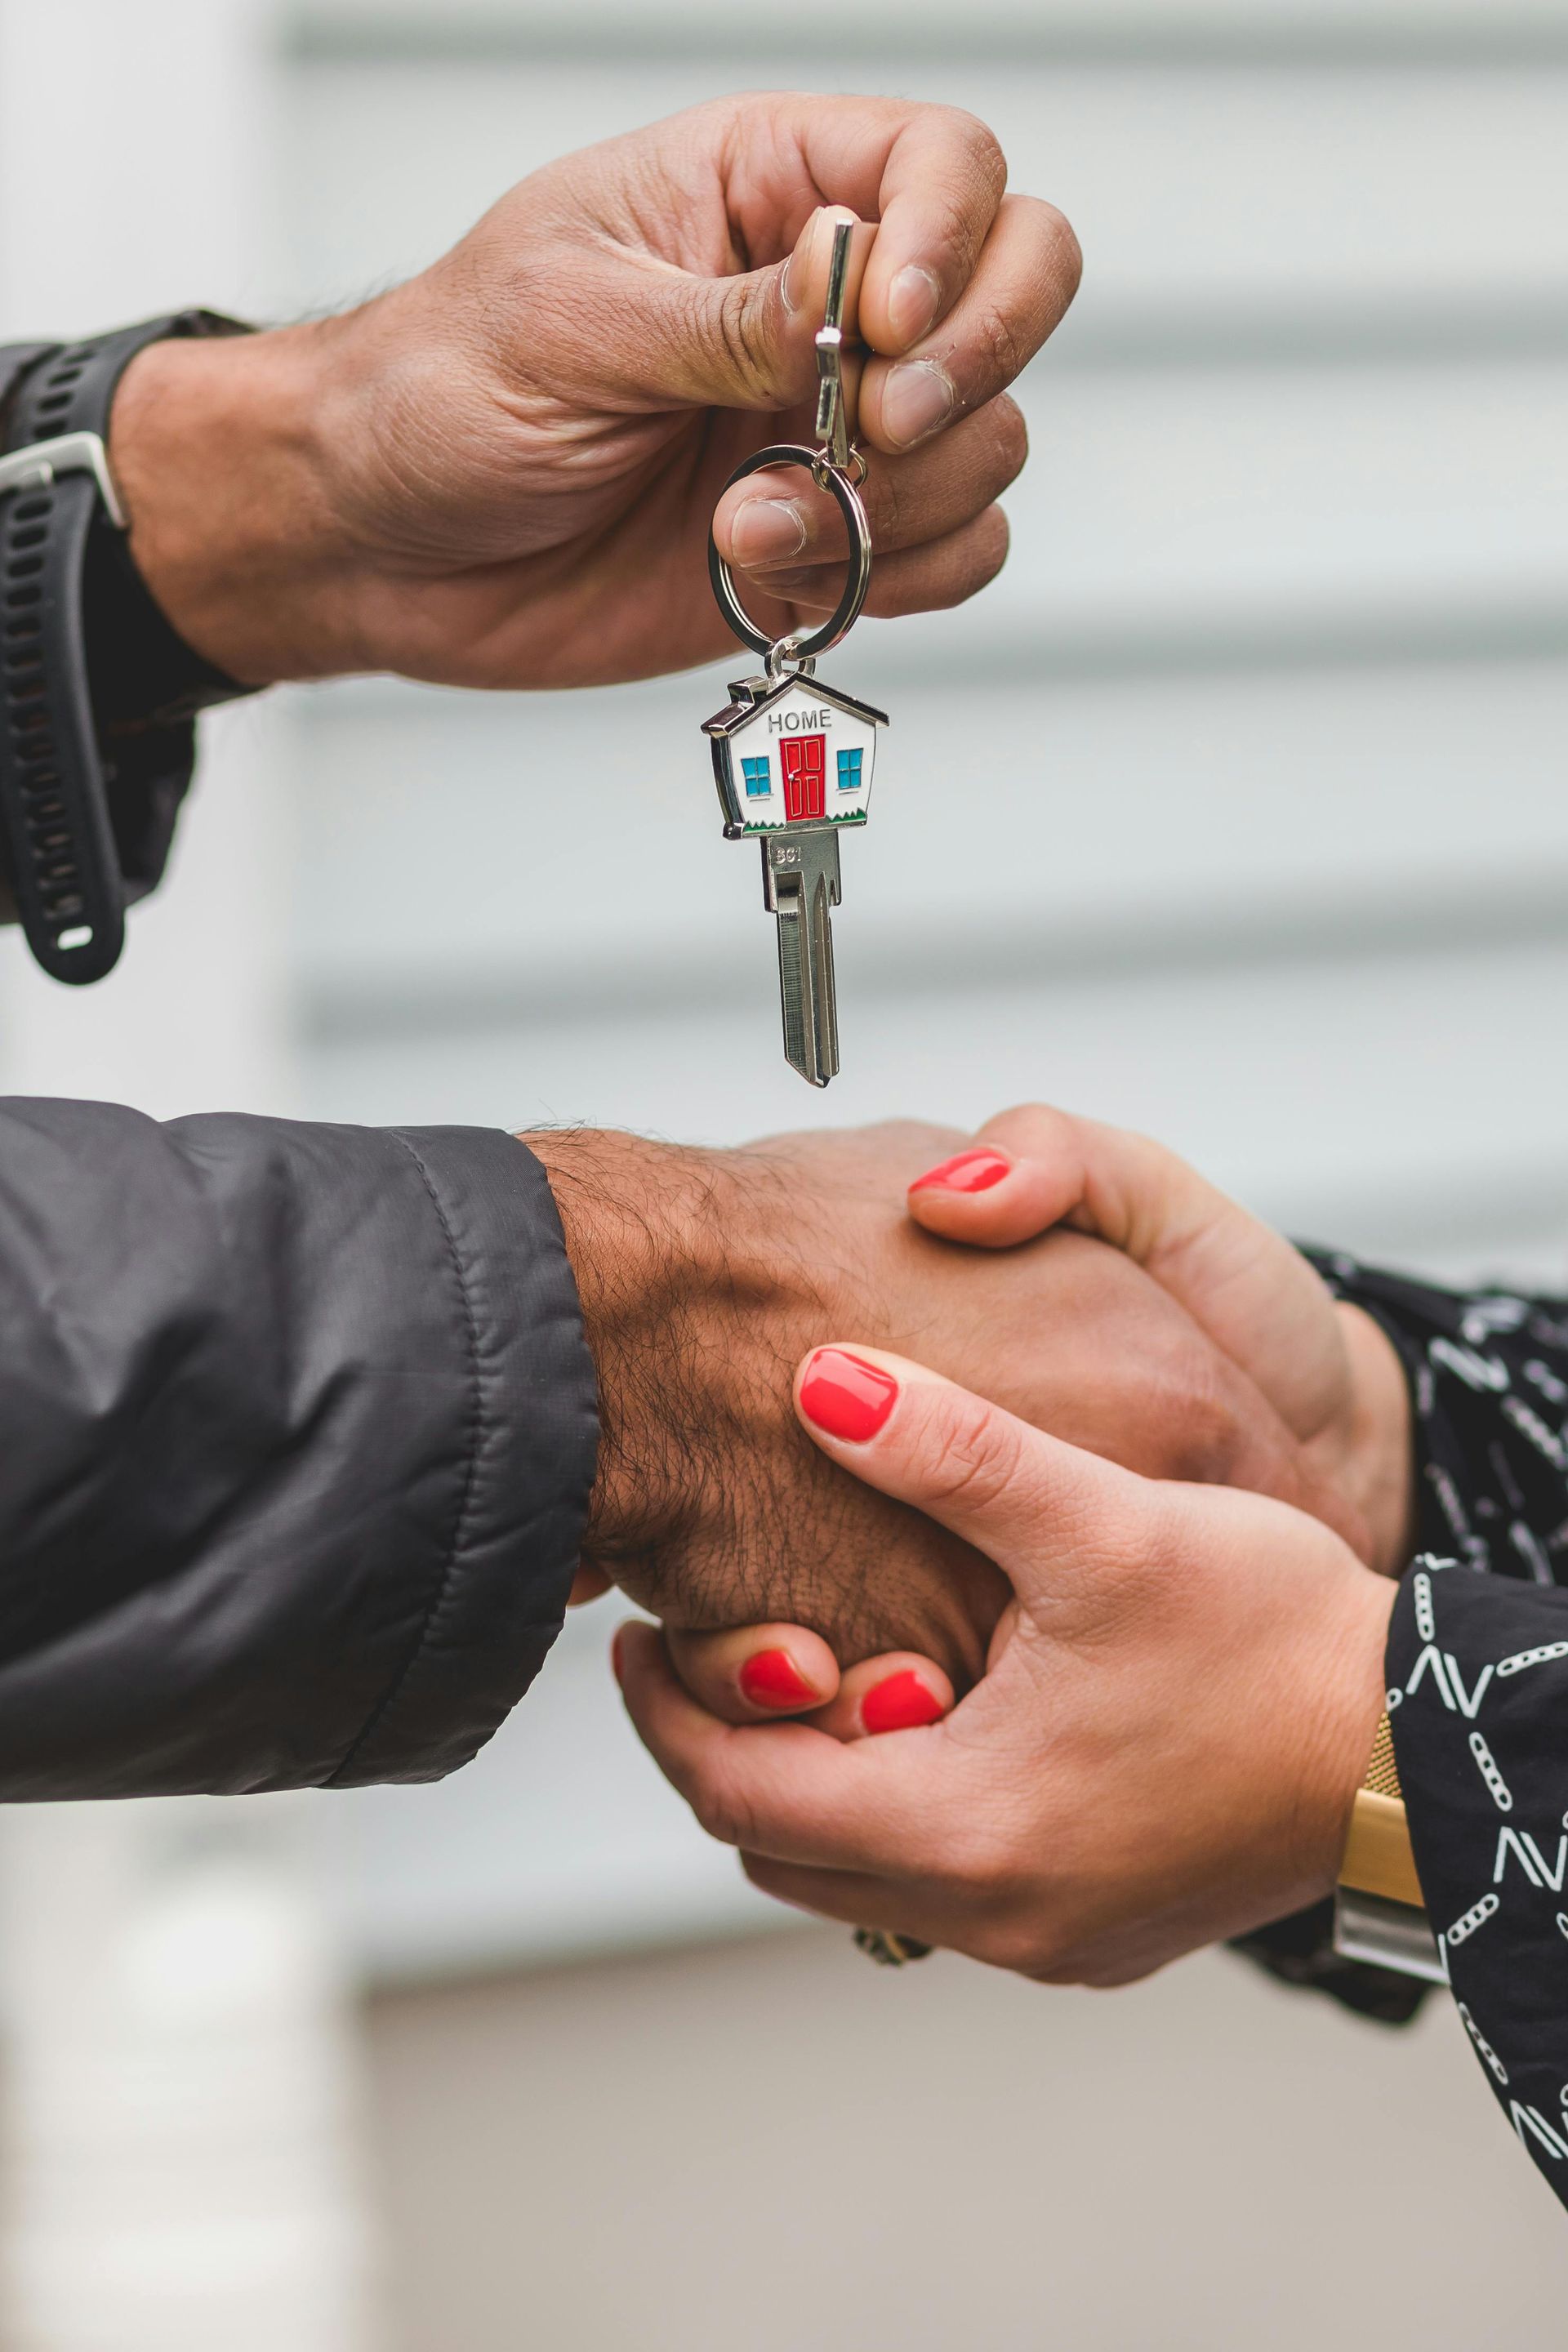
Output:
x=747 y=342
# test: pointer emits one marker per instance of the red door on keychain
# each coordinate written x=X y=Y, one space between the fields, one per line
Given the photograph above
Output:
x=804 y=776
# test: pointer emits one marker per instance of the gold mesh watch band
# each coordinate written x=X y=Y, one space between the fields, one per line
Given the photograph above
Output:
x=1377 y=1859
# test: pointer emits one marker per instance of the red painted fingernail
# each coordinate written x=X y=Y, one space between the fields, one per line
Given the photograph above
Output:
x=771 y=1678
x=845 y=1396
x=971 y=1171
x=899 y=1704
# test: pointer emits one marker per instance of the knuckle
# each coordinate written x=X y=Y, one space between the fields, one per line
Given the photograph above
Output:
x=724 y=1813
x=891 y=521
x=978 y=184
x=1004 y=352
x=953 y=574
x=993 y=542
x=1034 y=1128
x=979 y=1456
x=983 y=150
x=1209 y=1438
x=1190 y=1423
x=1160 y=1170
x=760 y=1873
x=984 y=1869
x=1025 y=1948
x=1011 y=440
x=1063 y=251
x=742 y=337
x=984 y=553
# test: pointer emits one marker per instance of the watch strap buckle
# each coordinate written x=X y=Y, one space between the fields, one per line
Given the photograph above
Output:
x=41 y=465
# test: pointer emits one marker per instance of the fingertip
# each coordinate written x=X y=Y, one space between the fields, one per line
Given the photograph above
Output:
x=803 y=284
x=755 y=1674
x=985 y=1220
x=901 y=1691
x=976 y=1170
x=845 y=1393
x=617 y=1655
x=993 y=1198
x=762 y=520
x=902 y=1701
x=635 y=1650
x=773 y=1680
x=911 y=305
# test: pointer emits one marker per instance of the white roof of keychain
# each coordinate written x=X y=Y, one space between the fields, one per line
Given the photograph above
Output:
x=754 y=696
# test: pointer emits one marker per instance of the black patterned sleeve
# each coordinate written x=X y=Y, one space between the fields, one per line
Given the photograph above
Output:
x=1489 y=1380
x=1478 y=1690
x=1478 y=1687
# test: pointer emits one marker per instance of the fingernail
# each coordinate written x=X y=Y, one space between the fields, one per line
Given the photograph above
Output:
x=916 y=400
x=968 y=1172
x=771 y=1678
x=766 y=530
x=845 y=1396
x=899 y=1704
x=913 y=299
x=794 y=268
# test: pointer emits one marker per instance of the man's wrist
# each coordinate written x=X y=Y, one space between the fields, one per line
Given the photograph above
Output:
x=220 y=456
x=694 y=1331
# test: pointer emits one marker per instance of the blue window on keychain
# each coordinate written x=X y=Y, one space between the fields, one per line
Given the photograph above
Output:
x=757 y=777
x=849 y=772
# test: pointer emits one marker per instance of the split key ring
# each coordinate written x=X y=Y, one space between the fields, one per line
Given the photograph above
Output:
x=842 y=484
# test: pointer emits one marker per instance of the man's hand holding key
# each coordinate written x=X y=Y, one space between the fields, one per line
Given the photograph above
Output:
x=503 y=473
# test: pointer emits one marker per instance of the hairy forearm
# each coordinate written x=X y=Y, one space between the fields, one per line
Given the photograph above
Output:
x=694 y=1331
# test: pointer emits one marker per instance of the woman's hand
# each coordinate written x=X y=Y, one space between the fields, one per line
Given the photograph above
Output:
x=1165 y=1750
x=503 y=473
x=1330 y=1371
x=703 y=1276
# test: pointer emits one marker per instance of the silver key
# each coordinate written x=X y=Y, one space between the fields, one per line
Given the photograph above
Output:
x=801 y=886
x=791 y=755
x=792 y=758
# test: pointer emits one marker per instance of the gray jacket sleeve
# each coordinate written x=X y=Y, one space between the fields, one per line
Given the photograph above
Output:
x=297 y=1431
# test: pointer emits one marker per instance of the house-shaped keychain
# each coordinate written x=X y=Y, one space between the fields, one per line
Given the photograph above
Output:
x=798 y=753
x=793 y=761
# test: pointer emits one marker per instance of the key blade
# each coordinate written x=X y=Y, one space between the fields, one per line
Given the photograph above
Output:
x=806 y=983
x=801 y=887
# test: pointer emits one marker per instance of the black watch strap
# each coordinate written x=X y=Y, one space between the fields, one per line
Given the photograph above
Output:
x=15 y=360
x=86 y=660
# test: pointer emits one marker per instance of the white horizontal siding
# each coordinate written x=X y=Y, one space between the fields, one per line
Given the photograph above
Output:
x=1200 y=28
x=1278 y=194
x=1122 y=821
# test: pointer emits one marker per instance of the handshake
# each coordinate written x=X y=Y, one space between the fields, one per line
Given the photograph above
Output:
x=1091 y=1493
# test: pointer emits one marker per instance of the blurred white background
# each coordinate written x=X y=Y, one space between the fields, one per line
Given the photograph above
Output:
x=1258 y=748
